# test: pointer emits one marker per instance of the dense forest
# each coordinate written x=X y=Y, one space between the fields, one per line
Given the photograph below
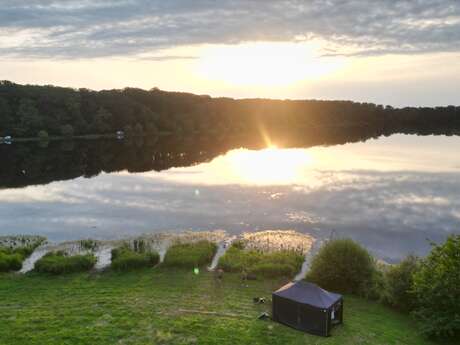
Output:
x=31 y=111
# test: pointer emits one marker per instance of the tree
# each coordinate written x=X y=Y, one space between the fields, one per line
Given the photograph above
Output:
x=5 y=116
x=437 y=290
x=344 y=266
x=67 y=131
x=30 y=120
x=128 y=130
x=138 y=130
x=43 y=135
x=399 y=280
x=74 y=116
x=102 y=121
x=151 y=128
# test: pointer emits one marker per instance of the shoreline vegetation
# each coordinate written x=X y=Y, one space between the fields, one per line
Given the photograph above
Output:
x=340 y=265
x=80 y=137
x=31 y=111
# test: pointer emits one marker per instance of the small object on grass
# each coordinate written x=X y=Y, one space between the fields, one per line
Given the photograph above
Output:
x=196 y=270
x=259 y=300
x=263 y=316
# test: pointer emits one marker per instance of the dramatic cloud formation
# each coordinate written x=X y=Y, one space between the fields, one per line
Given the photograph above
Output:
x=84 y=28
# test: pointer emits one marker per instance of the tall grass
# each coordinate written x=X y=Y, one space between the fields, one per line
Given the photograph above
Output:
x=189 y=255
x=60 y=263
x=125 y=258
x=11 y=258
x=261 y=264
x=10 y=261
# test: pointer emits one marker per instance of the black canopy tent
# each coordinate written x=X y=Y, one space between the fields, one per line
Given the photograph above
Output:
x=307 y=307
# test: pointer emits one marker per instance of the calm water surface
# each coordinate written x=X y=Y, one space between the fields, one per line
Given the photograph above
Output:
x=393 y=194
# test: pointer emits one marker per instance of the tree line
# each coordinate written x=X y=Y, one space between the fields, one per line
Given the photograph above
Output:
x=42 y=162
x=31 y=111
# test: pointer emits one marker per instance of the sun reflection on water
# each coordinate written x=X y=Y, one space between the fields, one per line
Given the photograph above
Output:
x=268 y=166
x=315 y=166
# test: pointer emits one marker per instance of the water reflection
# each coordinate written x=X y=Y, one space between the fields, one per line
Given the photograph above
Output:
x=391 y=194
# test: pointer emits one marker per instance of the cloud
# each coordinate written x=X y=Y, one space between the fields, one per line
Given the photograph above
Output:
x=83 y=28
x=391 y=213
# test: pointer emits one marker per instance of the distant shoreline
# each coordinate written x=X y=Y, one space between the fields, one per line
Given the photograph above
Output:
x=78 y=137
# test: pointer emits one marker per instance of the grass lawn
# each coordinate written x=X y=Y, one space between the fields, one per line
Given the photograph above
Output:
x=164 y=306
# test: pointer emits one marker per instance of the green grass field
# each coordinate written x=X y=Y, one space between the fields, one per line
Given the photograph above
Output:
x=163 y=306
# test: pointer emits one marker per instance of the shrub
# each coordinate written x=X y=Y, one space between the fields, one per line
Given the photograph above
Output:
x=60 y=263
x=236 y=259
x=437 y=290
x=269 y=265
x=344 y=266
x=125 y=259
x=398 y=283
x=190 y=255
x=272 y=270
x=11 y=259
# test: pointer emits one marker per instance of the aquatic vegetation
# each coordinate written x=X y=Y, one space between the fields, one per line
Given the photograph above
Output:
x=125 y=258
x=160 y=242
x=15 y=249
x=61 y=263
x=276 y=240
x=271 y=253
x=190 y=255
x=89 y=245
x=21 y=241
x=10 y=261
x=283 y=263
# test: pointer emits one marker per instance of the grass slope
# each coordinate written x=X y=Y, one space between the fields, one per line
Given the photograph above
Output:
x=163 y=306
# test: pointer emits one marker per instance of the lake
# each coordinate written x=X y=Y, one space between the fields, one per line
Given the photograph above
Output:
x=394 y=194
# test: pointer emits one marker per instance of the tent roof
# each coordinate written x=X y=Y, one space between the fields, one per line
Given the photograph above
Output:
x=308 y=293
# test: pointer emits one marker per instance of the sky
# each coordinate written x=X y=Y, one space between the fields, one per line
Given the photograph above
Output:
x=397 y=52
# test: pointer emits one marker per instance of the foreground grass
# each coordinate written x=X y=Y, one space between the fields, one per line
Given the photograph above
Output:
x=160 y=306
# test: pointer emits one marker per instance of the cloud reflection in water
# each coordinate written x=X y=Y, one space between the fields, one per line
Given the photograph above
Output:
x=355 y=190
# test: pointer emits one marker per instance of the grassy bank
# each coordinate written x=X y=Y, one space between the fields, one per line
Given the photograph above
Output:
x=166 y=306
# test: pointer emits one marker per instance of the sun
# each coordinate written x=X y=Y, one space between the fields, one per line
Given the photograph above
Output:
x=264 y=63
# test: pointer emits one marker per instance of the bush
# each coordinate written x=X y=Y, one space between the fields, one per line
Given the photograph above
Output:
x=11 y=259
x=437 y=290
x=125 y=259
x=272 y=270
x=343 y=266
x=60 y=263
x=398 y=284
x=189 y=255
x=268 y=265
x=236 y=259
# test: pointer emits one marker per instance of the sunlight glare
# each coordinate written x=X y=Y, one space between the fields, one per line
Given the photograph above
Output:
x=265 y=63
x=268 y=166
